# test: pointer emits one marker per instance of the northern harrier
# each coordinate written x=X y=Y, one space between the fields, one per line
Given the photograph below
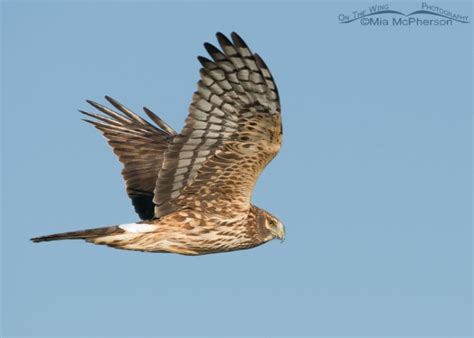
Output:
x=192 y=190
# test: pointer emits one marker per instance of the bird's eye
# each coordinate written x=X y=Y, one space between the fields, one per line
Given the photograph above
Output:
x=271 y=222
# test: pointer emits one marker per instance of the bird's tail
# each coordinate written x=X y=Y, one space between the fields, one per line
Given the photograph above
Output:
x=88 y=234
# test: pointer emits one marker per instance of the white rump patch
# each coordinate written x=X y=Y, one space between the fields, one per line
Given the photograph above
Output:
x=138 y=227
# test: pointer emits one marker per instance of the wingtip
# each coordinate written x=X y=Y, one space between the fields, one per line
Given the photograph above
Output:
x=237 y=37
x=90 y=121
x=210 y=47
x=162 y=124
x=223 y=40
x=213 y=51
x=94 y=104
x=204 y=61
x=110 y=99
x=116 y=104
x=86 y=113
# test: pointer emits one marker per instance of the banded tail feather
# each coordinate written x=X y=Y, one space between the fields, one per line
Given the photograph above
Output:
x=124 y=236
x=87 y=234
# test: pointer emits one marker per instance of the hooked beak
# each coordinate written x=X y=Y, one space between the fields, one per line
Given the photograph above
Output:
x=280 y=233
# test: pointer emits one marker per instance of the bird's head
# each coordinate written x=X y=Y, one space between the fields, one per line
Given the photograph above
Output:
x=273 y=226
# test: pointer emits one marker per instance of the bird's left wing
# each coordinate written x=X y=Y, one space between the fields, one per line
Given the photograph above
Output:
x=232 y=131
x=139 y=145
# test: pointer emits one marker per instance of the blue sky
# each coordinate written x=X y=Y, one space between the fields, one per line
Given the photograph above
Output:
x=373 y=180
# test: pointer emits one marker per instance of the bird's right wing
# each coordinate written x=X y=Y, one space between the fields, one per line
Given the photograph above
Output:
x=231 y=133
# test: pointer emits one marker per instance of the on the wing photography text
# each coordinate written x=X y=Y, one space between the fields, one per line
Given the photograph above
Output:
x=384 y=15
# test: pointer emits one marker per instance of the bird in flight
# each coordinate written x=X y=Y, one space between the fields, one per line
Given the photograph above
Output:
x=192 y=190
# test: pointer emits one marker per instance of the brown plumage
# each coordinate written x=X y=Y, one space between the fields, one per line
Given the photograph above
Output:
x=193 y=190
